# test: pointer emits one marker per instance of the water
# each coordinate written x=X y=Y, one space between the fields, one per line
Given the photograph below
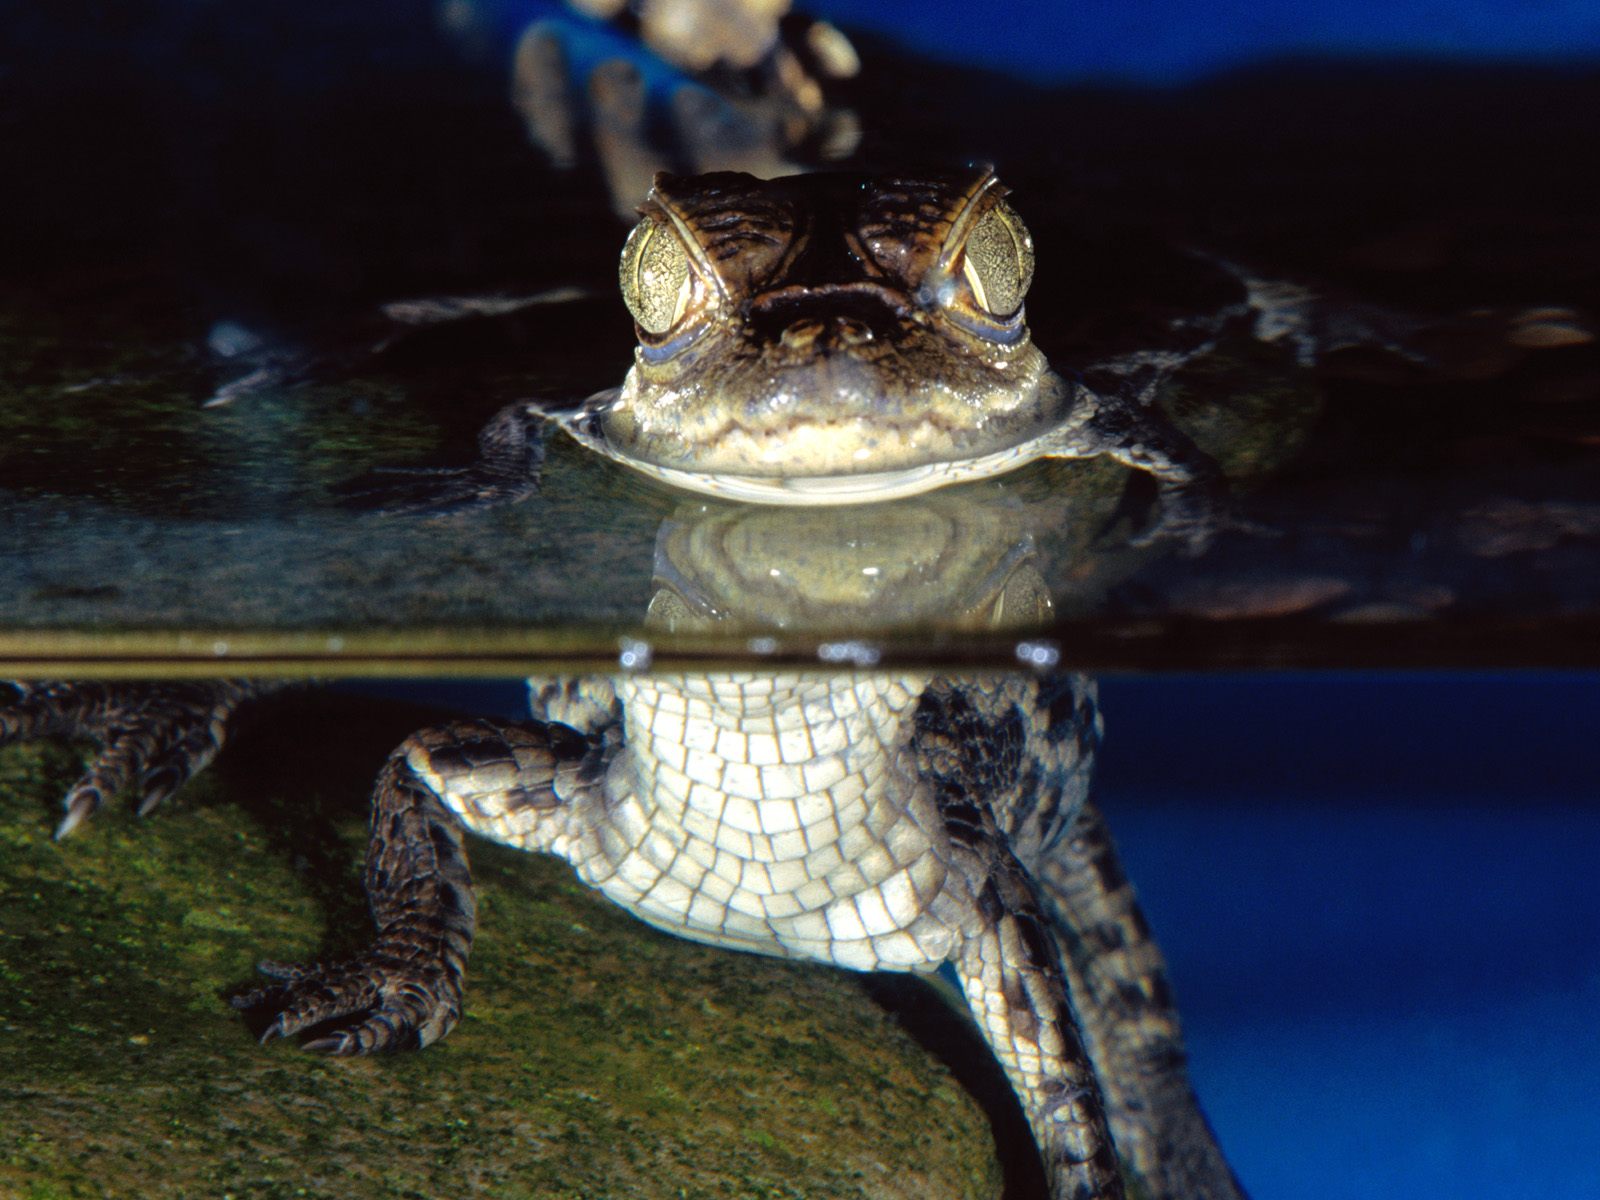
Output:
x=1372 y=889
x=1373 y=896
x=1457 y=488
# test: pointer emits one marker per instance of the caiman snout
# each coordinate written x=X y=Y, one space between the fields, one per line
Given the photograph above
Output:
x=850 y=314
x=822 y=334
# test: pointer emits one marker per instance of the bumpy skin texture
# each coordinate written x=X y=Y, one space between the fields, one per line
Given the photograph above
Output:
x=977 y=748
x=822 y=318
x=1126 y=1016
x=826 y=339
x=888 y=822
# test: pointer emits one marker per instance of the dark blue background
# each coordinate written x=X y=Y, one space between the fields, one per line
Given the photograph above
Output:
x=1380 y=898
x=1172 y=41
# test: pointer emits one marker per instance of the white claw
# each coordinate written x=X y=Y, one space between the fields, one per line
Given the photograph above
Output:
x=152 y=800
x=78 y=810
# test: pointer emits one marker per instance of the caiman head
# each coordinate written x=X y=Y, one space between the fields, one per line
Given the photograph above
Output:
x=837 y=337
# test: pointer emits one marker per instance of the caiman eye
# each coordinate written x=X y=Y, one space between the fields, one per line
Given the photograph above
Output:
x=998 y=261
x=655 y=276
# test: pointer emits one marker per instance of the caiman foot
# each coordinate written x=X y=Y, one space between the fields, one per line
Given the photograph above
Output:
x=153 y=737
x=378 y=1001
x=404 y=992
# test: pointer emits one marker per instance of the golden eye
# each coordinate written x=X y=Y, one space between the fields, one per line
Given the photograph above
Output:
x=998 y=261
x=655 y=277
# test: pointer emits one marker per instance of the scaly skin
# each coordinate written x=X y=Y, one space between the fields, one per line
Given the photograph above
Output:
x=872 y=821
x=869 y=837
x=912 y=849
x=828 y=339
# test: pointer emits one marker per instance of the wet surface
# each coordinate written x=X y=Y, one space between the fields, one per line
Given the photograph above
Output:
x=1405 y=504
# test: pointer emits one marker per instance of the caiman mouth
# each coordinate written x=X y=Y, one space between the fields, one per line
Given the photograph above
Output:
x=820 y=458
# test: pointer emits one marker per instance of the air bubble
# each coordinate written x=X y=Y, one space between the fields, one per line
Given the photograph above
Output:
x=1039 y=655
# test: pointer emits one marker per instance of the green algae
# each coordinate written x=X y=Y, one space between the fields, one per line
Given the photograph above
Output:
x=597 y=1059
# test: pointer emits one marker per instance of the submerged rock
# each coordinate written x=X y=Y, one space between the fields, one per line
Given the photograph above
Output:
x=597 y=1058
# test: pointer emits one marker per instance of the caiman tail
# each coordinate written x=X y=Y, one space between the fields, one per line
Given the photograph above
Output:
x=1117 y=978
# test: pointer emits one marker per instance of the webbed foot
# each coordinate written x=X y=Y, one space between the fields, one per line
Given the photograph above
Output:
x=152 y=737
x=385 y=999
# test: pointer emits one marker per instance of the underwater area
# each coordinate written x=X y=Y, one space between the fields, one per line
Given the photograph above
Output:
x=312 y=351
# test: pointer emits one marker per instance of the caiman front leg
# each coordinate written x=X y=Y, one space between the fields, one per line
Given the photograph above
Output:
x=1192 y=493
x=1009 y=965
x=153 y=737
x=506 y=471
x=511 y=782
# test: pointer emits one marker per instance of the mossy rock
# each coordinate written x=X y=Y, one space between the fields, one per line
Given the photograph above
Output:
x=597 y=1058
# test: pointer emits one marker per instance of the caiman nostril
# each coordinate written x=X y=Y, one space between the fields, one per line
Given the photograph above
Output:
x=809 y=332
x=852 y=332
x=802 y=333
x=837 y=314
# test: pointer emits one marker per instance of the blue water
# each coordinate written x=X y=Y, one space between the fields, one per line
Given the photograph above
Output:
x=1173 y=41
x=1389 y=959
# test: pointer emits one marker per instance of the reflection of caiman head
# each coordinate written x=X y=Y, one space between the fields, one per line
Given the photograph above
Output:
x=945 y=560
x=827 y=338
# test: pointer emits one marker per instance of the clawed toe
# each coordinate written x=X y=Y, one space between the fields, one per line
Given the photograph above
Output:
x=382 y=1031
x=152 y=737
x=82 y=802
x=350 y=1009
x=301 y=1002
